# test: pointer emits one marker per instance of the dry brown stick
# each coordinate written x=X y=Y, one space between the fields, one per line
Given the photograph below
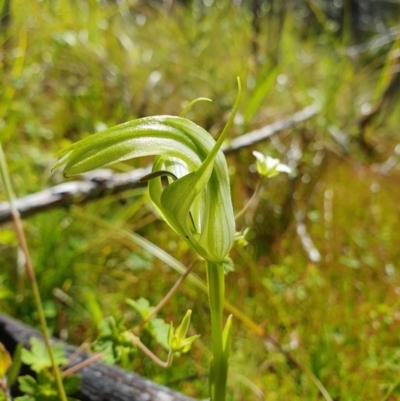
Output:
x=100 y=183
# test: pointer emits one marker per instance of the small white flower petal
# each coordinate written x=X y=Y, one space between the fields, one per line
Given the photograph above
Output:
x=271 y=163
x=283 y=168
x=259 y=156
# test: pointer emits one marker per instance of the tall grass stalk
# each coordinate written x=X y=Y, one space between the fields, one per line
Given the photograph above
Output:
x=5 y=178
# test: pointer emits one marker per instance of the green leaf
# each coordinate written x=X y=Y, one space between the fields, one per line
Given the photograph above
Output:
x=47 y=397
x=142 y=306
x=25 y=398
x=15 y=366
x=38 y=358
x=44 y=379
x=27 y=384
x=226 y=338
x=72 y=384
x=260 y=92
x=115 y=342
x=158 y=328
x=44 y=389
x=93 y=306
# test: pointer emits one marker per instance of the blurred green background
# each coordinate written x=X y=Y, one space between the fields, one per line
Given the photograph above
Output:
x=321 y=277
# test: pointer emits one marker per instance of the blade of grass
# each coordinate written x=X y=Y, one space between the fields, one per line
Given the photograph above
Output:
x=4 y=175
x=9 y=91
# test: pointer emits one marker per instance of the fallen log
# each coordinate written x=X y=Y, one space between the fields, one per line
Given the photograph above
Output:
x=100 y=382
x=100 y=183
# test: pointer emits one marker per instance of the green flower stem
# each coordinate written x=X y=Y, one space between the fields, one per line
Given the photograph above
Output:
x=219 y=364
x=256 y=195
x=29 y=269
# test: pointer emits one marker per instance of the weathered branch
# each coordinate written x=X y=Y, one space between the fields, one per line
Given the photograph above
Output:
x=100 y=382
x=95 y=185
x=259 y=135
x=100 y=183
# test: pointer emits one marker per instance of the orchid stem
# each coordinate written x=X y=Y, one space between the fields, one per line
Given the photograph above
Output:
x=219 y=363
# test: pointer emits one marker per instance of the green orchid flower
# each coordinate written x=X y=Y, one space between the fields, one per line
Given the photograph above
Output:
x=197 y=202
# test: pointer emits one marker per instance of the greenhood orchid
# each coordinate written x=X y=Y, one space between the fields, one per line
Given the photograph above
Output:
x=196 y=203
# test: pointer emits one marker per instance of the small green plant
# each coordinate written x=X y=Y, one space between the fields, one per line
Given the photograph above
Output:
x=119 y=345
x=43 y=387
x=115 y=343
x=37 y=357
x=196 y=204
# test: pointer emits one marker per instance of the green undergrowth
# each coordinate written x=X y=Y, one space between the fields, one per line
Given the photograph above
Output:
x=70 y=69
